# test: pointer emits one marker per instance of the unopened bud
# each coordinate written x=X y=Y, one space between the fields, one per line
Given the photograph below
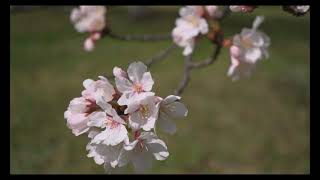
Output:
x=88 y=44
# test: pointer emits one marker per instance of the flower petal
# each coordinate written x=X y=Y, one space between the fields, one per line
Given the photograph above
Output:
x=111 y=136
x=253 y=54
x=104 y=105
x=171 y=98
x=158 y=149
x=88 y=83
x=136 y=71
x=119 y=73
x=165 y=124
x=176 y=110
x=123 y=84
x=147 y=81
x=97 y=119
x=136 y=120
x=257 y=21
x=129 y=146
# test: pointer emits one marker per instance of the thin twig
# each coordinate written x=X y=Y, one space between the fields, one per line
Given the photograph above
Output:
x=189 y=65
x=186 y=76
x=160 y=56
x=208 y=61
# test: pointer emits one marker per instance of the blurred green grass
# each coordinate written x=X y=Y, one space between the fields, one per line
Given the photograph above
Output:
x=256 y=125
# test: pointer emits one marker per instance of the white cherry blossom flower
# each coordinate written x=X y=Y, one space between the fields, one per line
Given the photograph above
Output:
x=98 y=89
x=114 y=126
x=88 y=18
x=188 y=27
x=248 y=47
x=137 y=81
x=143 y=112
x=143 y=149
x=78 y=114
x=170 y=108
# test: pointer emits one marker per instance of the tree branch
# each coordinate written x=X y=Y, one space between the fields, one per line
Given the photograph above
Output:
x=145 y=37
x=208 y=61
x=189 y=65
x=186 y=76
x=160 y=56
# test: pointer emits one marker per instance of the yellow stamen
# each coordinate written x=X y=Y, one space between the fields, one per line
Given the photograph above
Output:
x=144 y=111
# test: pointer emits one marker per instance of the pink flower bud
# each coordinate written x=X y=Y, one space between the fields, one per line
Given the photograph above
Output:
x=235 y=51
x=89 y=44
x=118 y=72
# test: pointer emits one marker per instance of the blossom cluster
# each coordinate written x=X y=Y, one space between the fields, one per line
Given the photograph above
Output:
x=246 y=48
x=90 y=19
x=191 y=24
x=120 y=120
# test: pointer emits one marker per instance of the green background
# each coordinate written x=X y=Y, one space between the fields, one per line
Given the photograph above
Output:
x=255 y=125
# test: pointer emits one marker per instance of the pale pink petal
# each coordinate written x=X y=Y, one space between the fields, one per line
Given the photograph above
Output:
x=123 y=85
x=147 y=81
x=158 y=148
x=136 y=71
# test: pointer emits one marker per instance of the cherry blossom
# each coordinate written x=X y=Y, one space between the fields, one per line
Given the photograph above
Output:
x=98 y=89
x=78 y=114
x=248 y=47
x=136 y=81
x=88 y=18
x=188 y=27
x=170 y=108
x=143 y=112
x=114 y=126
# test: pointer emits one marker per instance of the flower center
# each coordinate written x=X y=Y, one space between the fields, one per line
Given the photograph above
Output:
x=138 y=88
x=91 y=107
x=193 y=20
x=144 y=111
x=247 y=42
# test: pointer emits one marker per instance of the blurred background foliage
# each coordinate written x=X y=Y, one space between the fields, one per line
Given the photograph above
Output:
x=255 y=125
